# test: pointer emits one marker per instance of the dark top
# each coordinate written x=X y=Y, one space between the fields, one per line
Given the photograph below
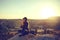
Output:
x=25 y=26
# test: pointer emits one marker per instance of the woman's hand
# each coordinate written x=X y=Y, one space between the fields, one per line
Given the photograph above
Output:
x=22 y=23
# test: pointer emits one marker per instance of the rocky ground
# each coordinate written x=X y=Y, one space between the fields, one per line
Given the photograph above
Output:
x=34 y=37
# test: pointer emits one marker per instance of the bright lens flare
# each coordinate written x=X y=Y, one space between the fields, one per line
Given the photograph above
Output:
x=47 y=12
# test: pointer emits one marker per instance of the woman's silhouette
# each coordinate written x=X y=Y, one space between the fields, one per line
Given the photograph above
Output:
x=24 y=27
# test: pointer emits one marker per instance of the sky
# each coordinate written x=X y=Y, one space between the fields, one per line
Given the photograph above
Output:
x=32 y=9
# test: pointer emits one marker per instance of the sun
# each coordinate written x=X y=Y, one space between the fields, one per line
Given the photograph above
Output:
x=46 y=12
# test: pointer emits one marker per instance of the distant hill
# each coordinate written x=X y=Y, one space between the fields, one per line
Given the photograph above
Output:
x=15 y=23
